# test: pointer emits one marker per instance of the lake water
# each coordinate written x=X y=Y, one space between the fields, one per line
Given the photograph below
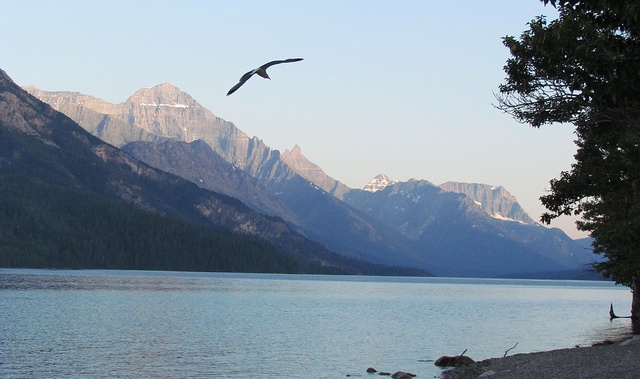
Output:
x=136 y=324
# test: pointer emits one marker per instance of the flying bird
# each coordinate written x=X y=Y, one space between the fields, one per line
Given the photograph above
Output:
x=262 y=71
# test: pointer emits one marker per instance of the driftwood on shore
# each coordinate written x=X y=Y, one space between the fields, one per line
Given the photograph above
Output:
x=612 y=314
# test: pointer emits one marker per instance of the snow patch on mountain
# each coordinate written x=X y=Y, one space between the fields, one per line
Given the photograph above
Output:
x=165 y=105
x=498 y=216
x=379 y=183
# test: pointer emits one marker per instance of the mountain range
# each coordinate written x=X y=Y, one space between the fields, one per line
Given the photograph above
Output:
x=70 y=200
x=453 y=229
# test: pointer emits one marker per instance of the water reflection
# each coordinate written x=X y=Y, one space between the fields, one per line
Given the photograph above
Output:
x=58 y=281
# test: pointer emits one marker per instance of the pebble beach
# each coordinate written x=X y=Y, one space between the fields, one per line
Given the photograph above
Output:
x=619 y=360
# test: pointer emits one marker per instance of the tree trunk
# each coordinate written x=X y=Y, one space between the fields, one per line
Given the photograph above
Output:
x=635 y=305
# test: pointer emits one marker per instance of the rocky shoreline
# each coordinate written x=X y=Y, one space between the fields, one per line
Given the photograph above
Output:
x=614 y=360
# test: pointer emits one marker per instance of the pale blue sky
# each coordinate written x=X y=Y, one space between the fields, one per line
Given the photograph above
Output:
x=403 y=88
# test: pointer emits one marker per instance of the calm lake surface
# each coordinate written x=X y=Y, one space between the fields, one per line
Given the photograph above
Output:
x=141 y=324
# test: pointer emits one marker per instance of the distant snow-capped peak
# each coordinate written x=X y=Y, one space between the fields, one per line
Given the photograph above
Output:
x=378 y=183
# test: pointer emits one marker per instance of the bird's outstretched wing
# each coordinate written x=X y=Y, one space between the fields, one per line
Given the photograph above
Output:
x=267 y=65
x=243 y=79
x=263 y=68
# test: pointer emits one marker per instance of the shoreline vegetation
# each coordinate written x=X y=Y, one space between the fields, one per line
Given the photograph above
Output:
x=603 y=360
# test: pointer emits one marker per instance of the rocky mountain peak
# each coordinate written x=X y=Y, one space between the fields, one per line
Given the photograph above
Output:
x=494 y=200
x=166 y=111
x=4 y=78
x=380 y=182
x=163 y=95
x=312 y=172
x=23 y=112
x=295 y=154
